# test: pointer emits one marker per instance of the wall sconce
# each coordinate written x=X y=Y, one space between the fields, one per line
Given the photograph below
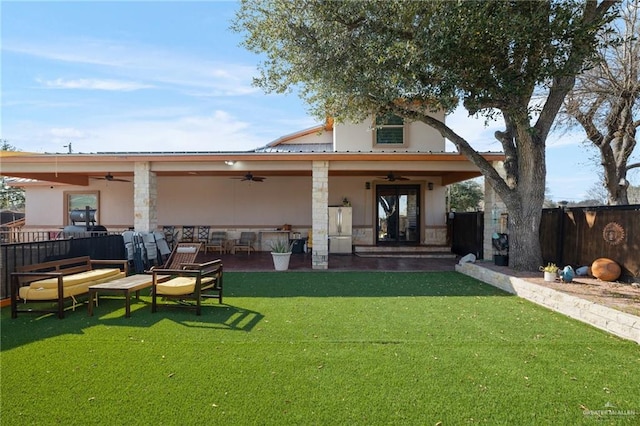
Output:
x=367 y=185
x=229 y=162
x=430 y=186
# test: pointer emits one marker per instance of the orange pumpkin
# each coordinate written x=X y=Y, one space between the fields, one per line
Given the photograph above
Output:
x=605 y=269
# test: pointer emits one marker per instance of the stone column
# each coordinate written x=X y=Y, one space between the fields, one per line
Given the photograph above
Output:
x=145 y=194
x=494 y=209
x=320 y=213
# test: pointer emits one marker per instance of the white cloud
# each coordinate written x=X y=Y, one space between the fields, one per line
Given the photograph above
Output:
x=562 y=138
x=94 y=84
x=219 y=131
x=195 y=75
x=66 y=133
x=476 y=131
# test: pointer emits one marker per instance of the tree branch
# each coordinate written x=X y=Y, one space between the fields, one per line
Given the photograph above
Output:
x=562 y=85
x=633 y=166
x=487 y=169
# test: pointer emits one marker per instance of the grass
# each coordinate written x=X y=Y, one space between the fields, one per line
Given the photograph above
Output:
x=320 y=348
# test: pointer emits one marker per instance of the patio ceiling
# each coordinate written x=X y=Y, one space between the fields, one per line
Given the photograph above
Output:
x=78 y=169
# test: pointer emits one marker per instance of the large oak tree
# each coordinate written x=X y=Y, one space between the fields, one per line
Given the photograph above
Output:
x=605 y=101
x=352 y=59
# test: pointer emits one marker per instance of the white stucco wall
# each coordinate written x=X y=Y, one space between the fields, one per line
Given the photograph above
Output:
x=226 y=202
x=359 y=137
x=232 y=204
x=45 y=204
x=116 y=206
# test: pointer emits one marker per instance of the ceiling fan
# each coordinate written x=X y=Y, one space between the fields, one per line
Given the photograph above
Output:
x=391 y=177
x=250 y=177
x=109 y=177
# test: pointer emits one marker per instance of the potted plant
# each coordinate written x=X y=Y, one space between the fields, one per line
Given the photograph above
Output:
x=500 y=243
x=550 y=271
x=281 y=254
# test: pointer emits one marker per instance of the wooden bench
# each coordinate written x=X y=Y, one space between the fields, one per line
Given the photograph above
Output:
x=60 y=280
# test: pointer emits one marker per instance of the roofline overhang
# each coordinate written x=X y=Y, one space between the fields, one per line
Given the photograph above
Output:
x=77 y=169
x=245 y=156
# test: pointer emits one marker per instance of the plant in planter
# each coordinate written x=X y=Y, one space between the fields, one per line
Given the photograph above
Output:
x=500 y=243
x=550 y=271
x=281 y=254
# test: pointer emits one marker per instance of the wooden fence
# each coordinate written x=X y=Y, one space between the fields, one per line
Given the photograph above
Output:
x=569 y=236
x=578 y=235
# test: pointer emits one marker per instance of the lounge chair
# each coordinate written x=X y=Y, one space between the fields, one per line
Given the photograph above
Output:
x=192 y=282
x=182 y=254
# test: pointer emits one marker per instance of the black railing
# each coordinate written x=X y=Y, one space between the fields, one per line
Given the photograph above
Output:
x=18 y=254
x=8 y=236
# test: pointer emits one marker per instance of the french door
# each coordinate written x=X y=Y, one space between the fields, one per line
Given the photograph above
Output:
x=398 y=214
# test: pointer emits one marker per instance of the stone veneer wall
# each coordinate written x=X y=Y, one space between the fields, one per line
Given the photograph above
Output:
x=493 y=203
x=145 y=192
x=320 y=215
x=435 y=235
x=610 y=320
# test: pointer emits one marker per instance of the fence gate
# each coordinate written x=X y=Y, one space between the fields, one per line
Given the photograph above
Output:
x=467 y=233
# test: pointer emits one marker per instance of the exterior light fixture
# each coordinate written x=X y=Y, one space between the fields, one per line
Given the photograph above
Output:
x=430 y=186
x=229 y=162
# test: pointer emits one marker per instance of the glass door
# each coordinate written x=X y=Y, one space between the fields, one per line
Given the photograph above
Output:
x=398 y=211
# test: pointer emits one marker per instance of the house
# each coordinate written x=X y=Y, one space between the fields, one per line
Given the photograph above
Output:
x=393 y=173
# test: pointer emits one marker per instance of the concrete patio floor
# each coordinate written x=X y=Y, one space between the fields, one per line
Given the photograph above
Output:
x=262 y=261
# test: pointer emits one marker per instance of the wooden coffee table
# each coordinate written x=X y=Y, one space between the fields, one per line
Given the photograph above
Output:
x=125 y=285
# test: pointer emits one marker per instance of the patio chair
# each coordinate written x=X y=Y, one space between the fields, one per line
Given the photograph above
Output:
x=136 y=251
x=218 y=241
x=245 y=242
x=164 y=250
x=170 y=235
x=203 y=234
x=188 y=285
x=188 y=233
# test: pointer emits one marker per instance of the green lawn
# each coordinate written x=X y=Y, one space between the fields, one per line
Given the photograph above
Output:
x=321 y=348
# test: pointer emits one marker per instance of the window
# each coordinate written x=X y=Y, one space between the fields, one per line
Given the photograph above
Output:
x=79 y=201
x=389 y=130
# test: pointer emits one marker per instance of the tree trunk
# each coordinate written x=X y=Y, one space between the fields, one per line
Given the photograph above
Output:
x=524 y=201
x=521 y=190
x=525 y=252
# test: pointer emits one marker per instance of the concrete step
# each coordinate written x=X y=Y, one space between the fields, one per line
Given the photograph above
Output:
x=438 y=251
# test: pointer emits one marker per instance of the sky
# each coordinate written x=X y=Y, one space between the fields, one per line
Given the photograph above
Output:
x=171 y=76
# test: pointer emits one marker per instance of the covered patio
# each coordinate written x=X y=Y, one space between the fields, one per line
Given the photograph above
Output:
x=396 y=187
